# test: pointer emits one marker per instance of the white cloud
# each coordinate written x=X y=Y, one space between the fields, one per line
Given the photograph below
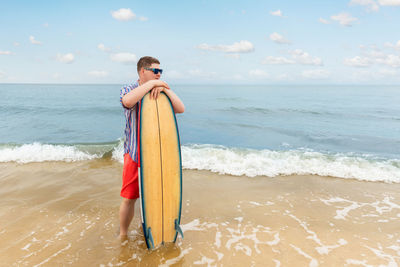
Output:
x=196 y=72
x=304 y=58
x=202 y=74
x=103 y=48
x=277 y=38
x=66 y=58
x=344 y=19
x=358 y=61
x=382 y=75
x=324 y=21
x=173 y=74
x=277 y=13
x=237 y=77
x=315 y=74
x=46 y=25
x=389 y=2
x=126 y=58
x=6 y=53
x=283 y=77
x=98 y=73
x=2 y=74
x=388 y=72
x=34 y=41
x=189 y=74
x=370 y=4
x=394 y=46
x=16 y=44
x=278 y=60
x=298 y=56
x=143 y=19
x=373 y=55
x=234 y=56
x=238 y=47
x=123 y=14
x=390 y=60
x=258 y=73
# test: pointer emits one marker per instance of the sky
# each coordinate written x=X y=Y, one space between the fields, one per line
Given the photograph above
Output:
x=201 y=42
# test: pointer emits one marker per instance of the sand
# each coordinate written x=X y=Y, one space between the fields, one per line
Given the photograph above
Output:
x=58 y=213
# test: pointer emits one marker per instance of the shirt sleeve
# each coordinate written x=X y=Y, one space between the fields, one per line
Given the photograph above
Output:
x=125 y=90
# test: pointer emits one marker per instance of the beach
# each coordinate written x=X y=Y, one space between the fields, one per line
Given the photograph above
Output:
x=66 y=213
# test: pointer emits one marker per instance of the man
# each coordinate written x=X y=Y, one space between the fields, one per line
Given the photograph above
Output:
x=149 y=72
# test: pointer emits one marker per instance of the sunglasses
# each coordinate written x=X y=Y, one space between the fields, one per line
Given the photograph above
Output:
x=154 y=70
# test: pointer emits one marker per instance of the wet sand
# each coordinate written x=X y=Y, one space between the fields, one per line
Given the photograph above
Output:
x=59 y=213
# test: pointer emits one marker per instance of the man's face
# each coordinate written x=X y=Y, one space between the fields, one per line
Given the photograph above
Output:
x=148 y=75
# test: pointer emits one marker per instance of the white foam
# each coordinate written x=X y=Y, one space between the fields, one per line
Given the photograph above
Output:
x=176 y=259
x=204 y=260
x=118 y=152
x=255 y=203
x=313 y=262
x=37 y=152
x=193 y=226
x=275 y=241
x=358 y=262
x=380 y=254
x=218 y=236
x=26 y=247
x=225 y=160
x=380 y=206
x=322 y=248
x=244 y=248
x=54 y=255
x=342 y=214
x=219 y=255
x=273 y=163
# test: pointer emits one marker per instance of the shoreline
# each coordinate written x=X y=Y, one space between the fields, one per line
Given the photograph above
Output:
x=67 y=213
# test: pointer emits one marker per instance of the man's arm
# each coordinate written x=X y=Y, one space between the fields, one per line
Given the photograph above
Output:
x=130 y=99
x=175 y=100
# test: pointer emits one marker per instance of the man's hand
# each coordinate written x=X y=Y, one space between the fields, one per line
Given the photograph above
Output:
x=155 y=92
x=158 y=83
x=158 y=86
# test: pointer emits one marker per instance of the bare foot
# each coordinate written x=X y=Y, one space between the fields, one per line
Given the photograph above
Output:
x=124 y=239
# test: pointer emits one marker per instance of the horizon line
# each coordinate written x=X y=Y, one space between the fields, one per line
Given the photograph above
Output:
x=44 y=83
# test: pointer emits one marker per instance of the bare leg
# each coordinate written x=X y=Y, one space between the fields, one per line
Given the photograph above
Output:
x=126 y=213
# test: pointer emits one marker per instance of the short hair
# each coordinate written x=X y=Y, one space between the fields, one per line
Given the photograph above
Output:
x=146 y=62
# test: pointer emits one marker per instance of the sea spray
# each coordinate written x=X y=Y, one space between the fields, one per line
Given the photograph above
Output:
x=37 y=152
x=225 y=160
x=270 y=163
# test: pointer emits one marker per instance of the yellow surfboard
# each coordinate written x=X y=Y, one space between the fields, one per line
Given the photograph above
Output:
x=160 y=171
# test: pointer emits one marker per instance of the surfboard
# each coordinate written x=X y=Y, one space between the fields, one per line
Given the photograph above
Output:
x=160 y=171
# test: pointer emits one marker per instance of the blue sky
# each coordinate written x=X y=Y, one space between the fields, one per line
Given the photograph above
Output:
x=261 y=42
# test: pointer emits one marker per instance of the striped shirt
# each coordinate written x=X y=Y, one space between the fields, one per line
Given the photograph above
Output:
x=130 y=144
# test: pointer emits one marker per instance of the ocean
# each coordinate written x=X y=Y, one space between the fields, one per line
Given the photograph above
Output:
x=347 y=131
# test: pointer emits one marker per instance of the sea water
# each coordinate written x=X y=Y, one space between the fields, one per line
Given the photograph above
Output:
x=348 y=131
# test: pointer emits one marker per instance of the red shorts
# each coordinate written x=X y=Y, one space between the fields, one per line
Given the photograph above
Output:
x=130 y=183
